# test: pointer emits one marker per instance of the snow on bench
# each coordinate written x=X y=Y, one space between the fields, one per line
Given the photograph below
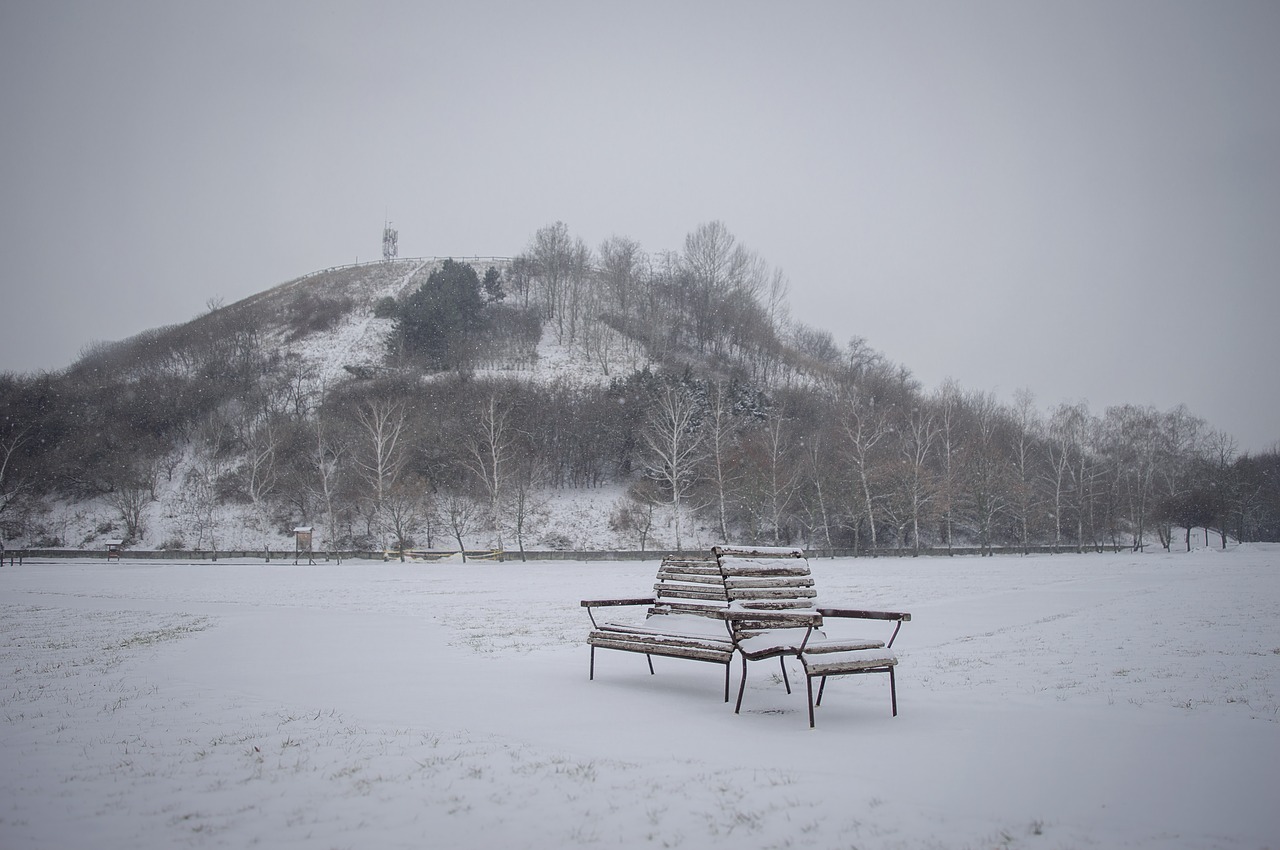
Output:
x=759 y=602
x=685 y=618
x=772 y=614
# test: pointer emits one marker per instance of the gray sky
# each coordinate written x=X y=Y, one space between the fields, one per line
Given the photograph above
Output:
x=1078 y=198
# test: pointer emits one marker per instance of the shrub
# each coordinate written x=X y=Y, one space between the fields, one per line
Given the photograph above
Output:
x=557 y=541
x=310 y=313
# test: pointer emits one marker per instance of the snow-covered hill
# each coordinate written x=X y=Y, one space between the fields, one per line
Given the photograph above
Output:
x=354 y=341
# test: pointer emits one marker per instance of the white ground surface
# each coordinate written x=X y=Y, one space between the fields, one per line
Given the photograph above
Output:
x=1095 y=701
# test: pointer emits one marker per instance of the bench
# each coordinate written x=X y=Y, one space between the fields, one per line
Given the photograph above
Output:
x=685 y=618
x=772 y=613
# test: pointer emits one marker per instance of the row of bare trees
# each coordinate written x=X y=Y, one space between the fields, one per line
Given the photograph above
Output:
x=838 y=466
x=849 y=468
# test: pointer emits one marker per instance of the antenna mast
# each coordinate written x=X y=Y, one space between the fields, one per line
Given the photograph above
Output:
x=390 y=242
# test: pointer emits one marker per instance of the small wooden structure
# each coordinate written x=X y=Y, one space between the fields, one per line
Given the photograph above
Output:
x=114 y=547
x=302 y=543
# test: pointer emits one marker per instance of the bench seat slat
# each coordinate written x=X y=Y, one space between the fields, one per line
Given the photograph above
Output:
x=774 y=642
x=673 y=649
x=676 y=626
x=837 y=663
x=638 y=638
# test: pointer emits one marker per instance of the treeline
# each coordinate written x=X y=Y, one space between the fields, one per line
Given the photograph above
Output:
x=715 y=411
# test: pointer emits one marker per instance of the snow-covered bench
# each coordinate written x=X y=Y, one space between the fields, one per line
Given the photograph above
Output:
x=772 y=613
x=686 y=618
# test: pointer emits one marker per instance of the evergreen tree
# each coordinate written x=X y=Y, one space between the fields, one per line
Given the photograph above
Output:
x=493 y=291
x=434 y=323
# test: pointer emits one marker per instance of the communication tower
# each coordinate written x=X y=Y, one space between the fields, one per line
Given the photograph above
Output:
x=390 y=242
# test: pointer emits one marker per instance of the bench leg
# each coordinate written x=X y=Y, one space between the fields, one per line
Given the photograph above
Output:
x=592 y=676
x=782 y=662
x=893 y=689
x=649 y=658
x=742 y=686
x=726 y=679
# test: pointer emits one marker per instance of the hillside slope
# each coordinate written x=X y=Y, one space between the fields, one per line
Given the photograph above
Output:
x=323 y=331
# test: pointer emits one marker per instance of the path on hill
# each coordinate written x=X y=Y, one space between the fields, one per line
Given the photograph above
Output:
x=350 y=344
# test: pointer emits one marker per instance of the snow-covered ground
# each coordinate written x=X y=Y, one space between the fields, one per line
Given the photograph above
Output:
x=1046 y=702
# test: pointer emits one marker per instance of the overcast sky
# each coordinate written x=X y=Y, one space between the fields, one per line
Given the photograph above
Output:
x=1078 y=198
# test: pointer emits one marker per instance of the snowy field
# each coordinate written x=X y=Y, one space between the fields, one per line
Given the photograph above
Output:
x=1096 y=701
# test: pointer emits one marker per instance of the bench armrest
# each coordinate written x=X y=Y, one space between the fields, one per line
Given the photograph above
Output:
x=613 y=603
x=865 y=615
x=854 y=614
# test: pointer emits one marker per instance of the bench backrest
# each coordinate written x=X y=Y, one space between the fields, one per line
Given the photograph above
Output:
x=689 y=586
x=773 y=581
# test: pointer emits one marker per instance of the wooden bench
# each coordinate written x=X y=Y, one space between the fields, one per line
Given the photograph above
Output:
x=772 y=613
x=685 y=618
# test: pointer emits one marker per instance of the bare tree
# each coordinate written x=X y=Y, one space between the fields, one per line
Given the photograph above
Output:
x=601 y=344
x=403 y=510
x=1058 y=449
x=714 y=258
x=327 y=457
x=986 y=478
x=490 y=452
x=1027 y=427
x=1220 y=455
x=12 y=487
x=1071 y=469
x=260 y=438
x=621 y=270
x=818 y=466
x=131 y=501
x=383 y=424
x=523 y=507
x=634 y=513
x=209 y=465
x=775 y=475
x=949 y=403
x=1181 y=457
x=866 y=425
x=675 y=448
x=717 y=270
x=917 y=486
x=1132 y=446
x=775 y=299
x=462 y=514
x=721 y=430
x=562 y=264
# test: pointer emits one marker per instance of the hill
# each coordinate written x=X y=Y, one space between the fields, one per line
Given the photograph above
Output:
x=571 y=397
